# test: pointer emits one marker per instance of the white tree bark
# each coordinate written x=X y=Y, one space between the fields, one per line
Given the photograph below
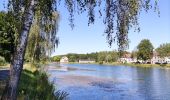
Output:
x=18 y=57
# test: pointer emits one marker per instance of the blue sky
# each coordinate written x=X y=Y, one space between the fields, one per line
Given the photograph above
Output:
x=86 y=39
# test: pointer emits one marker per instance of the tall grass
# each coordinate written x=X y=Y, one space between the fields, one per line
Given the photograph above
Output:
x=35 y=86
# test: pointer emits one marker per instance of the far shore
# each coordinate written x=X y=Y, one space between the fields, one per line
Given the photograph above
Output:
x=7 y=66
x=128 y=64
x=139 y=65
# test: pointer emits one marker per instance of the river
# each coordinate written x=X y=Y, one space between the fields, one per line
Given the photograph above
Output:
x=105 y=82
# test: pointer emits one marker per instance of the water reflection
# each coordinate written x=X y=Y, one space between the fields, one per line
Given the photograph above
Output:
x=101 y=82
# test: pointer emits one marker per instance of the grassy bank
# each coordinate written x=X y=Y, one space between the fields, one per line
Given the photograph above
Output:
x=128 y=64
x=138 y=65
x=34 y=85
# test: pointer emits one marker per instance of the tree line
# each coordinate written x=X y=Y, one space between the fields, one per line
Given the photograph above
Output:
x=103 y=56
x=144 y=52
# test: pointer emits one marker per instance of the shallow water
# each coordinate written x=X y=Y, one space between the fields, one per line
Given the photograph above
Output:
x=104 y=82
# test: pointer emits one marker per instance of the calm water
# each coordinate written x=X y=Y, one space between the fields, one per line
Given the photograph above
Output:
x=101 y=82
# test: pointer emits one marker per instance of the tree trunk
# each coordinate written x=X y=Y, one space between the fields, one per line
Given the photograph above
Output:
x=18 y=58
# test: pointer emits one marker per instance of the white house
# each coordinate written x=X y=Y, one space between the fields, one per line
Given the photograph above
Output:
x=157 y=59
x=64 y=60
x=167 y=59
x=126 y=58
x=86 y=61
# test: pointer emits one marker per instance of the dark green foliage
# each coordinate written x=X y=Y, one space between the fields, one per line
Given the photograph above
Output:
x=164 y=50
x=42 y=35
x=107 y=56
x=2 y=61
x=56 y=58
x=145 y=50
x=7 y=36
x=35 y=86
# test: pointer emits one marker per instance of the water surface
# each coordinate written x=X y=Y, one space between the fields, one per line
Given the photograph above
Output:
x=104 y=82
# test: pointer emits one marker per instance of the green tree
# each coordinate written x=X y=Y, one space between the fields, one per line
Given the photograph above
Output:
x=101 y=56
x=7 y=36
x=134 y=54
x=114 y=55
x=124 y=12
x=72 y=57
x=38 y=46
x=56 y=58
x=145 y=50
x=23 y=14
x=164 y=50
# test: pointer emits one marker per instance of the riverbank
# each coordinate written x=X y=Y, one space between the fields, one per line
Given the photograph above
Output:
x=6 y=66
x=129 y=64
x=138 y=65
x=34 y=85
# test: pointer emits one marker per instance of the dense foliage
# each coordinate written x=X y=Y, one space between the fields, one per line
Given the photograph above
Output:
x=2 y=61
x=56 y=58
x=7 y=36
x=39 y=46
x=145 y=50
x=164 y=50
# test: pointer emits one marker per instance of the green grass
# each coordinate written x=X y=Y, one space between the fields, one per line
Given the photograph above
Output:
x=2 y=61
x=34 y=85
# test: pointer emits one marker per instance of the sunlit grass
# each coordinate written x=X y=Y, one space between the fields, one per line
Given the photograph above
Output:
x=6 y=66
x=30 y=67
x=34 y=85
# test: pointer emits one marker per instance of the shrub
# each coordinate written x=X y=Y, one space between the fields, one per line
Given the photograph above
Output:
x=101 y=62
x=2 y=61
x=35 y=86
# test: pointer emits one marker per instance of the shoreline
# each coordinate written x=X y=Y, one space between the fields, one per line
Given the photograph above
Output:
x=128 y=64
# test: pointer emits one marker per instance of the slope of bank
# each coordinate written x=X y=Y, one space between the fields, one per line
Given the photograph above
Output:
x=34 y=85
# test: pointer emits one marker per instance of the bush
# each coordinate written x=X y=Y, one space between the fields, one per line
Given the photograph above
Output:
x=2 y=61
x=100 y=62
x=35 y=86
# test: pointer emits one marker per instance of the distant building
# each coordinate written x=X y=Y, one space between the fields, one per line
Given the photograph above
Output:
x=157 y=59
x=64 y=60
x=86 y=61
x=167 y=59
x=126 y=58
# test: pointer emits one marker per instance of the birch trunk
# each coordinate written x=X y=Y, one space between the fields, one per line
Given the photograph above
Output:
x=18 y=58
